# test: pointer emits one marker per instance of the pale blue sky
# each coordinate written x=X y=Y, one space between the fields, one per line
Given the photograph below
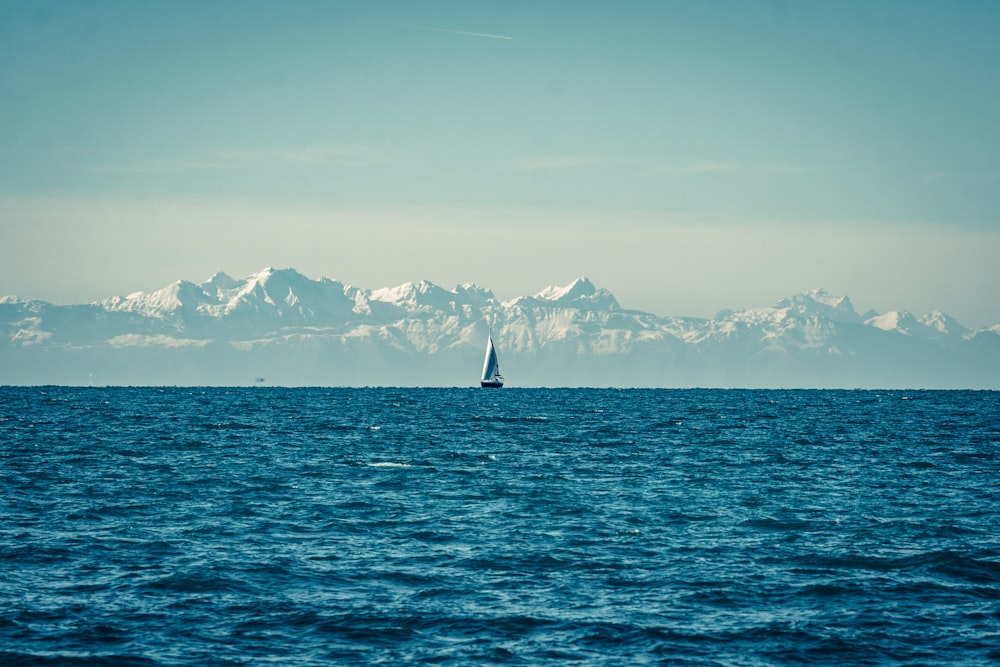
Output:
x=688 y=156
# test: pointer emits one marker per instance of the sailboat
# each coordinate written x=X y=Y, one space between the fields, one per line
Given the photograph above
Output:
x=491 y=367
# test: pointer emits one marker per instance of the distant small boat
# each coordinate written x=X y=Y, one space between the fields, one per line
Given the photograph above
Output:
x=491 y=367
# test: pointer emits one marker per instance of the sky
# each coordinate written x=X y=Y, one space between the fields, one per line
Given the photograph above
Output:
x=688 y=156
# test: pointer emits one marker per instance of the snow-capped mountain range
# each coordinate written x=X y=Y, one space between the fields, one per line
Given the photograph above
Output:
x=281 y=327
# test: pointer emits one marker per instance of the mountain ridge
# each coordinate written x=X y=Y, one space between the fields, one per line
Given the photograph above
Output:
x=283 y=325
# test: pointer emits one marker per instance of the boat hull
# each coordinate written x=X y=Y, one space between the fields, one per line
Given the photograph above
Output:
x=494 y=384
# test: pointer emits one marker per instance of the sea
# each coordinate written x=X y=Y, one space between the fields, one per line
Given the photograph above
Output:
x=397 y=526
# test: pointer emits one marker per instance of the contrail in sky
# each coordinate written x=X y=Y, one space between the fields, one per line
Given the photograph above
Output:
x=454 y=32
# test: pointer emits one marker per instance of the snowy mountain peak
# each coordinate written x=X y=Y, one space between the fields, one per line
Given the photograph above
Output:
x=895 y=320
x=408 y=292
x=475 y=293
x=580 y=292
x=820 y=302
x=220 y=281
x=271 y=273
x=935 y=326
x=944 y=324
x=580 y=287
x=177 y=296
x=425 y=296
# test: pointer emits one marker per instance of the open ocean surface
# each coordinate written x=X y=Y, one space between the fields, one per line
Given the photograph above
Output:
x=254 y=526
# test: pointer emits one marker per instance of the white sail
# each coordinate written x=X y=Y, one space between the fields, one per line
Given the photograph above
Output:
x=491 y=367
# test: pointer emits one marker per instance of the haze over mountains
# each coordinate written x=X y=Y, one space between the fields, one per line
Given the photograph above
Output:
x=281 y=327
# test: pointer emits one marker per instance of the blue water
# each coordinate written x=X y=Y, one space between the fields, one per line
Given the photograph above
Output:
x=177 y=526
